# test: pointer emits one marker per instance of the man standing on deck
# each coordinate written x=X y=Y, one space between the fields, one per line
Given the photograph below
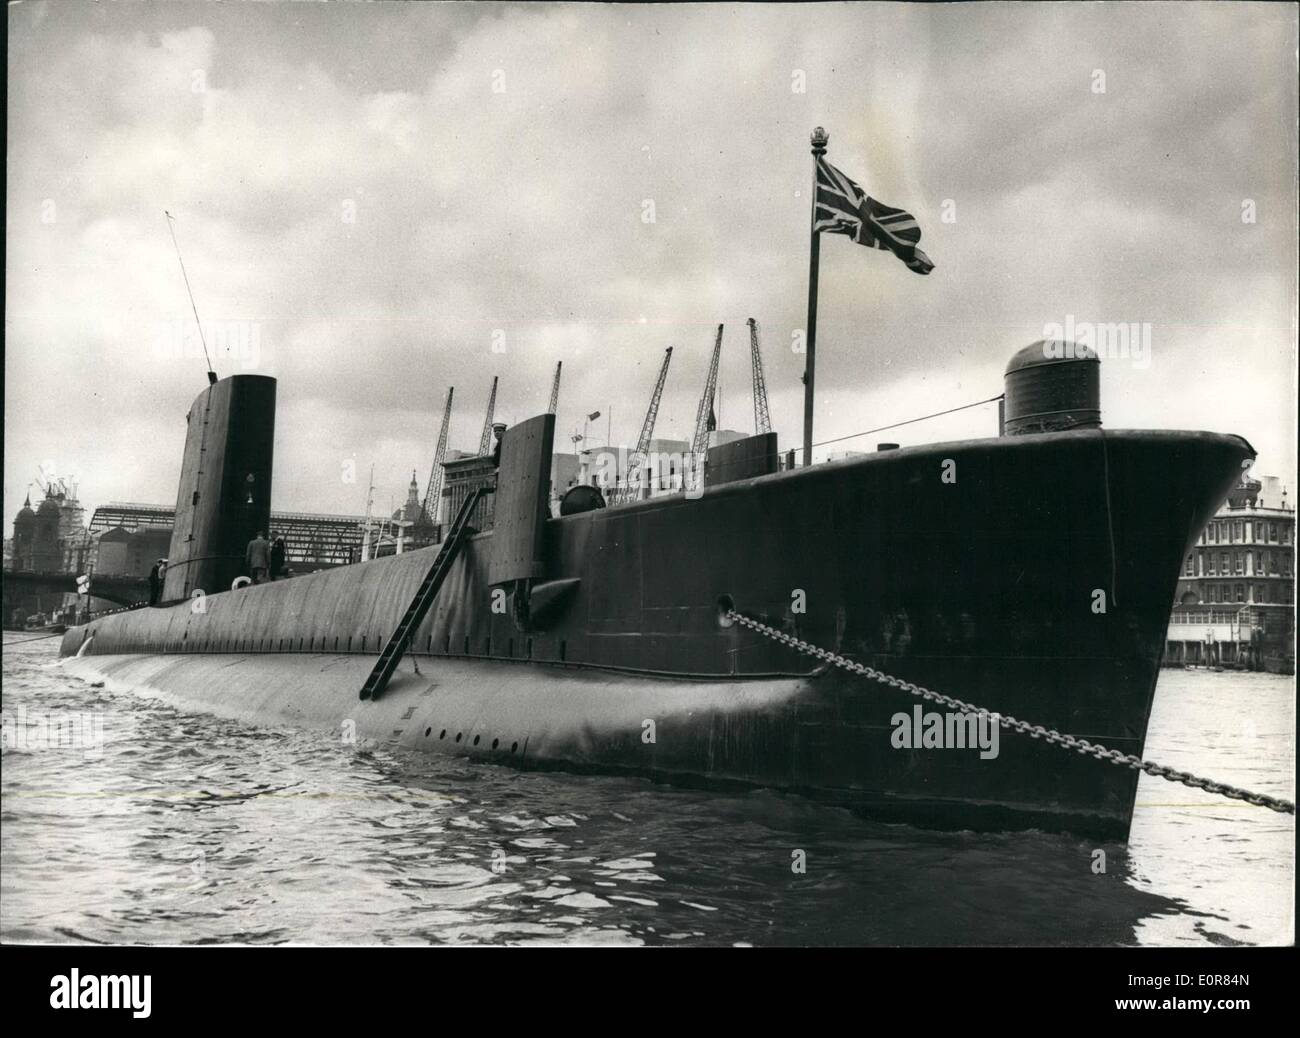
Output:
x=498 y=430
x=258 y=557
x=155 y=582
x=277 y=556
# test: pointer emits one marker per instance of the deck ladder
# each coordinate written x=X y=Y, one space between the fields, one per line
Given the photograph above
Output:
x=459 y=532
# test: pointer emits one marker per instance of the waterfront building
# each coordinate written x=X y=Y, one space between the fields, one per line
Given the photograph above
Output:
x=410 y=524
x=602 y=467
x=667 y=463
x=1235 y=601
x=131 y=553
x=564 y=476
x=47 y=554
x=53 y=537
x=461 y=475
x=411 y=511
x=24 y=536
x=606 y=467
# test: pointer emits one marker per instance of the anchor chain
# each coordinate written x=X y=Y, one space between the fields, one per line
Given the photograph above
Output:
x=1034 y=731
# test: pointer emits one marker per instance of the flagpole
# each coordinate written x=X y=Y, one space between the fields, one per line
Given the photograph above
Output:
x=819 y=141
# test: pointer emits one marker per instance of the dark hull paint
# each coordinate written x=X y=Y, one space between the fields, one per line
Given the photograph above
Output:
x=984 y=588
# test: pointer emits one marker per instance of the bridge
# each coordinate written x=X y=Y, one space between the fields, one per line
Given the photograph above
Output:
x=27 y=585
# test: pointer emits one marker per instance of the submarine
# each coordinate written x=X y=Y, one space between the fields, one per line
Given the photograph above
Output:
x=1030 y=572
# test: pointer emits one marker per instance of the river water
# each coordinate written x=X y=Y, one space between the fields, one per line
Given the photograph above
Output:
x=175 y=828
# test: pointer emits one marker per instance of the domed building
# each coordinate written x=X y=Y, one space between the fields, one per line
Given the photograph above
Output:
x=24 y=536
x=418 y=530
x=47 y=556
x=412 y=511
x=53 y=537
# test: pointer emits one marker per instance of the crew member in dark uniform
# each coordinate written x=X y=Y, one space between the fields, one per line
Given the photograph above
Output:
x=258 y=557
x=277 y=557
x=155 y=582
x=498 y=430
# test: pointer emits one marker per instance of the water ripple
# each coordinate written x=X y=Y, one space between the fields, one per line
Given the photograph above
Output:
x=196 y=830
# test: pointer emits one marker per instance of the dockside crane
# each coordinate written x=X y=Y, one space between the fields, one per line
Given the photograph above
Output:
x=704 y=416
x=429 y=509
x=485 y=441
x=555 y=389
x=637 y=461
x=762 y=419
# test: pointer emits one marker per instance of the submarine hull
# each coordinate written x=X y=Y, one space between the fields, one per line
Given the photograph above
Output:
x=1029 y=575
x=814 y=736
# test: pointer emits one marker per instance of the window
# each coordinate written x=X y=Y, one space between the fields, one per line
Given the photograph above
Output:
x=1241 y=592
x=1224 y=564
x=1272 y=532
x=1238 y=563
x=1189 y=570
x=1238 y=528
x=1209 y=560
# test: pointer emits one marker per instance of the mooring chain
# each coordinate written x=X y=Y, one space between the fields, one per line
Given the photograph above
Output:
x=1034 y=731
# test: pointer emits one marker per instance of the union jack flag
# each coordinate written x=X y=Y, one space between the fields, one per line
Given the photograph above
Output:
x=844 y=208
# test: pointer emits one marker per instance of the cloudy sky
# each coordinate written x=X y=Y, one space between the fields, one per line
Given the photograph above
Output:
x=371 y=199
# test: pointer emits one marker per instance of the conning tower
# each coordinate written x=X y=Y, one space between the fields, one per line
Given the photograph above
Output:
x=225 y=488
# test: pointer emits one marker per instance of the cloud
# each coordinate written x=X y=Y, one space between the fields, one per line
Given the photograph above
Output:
x=385 y=193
